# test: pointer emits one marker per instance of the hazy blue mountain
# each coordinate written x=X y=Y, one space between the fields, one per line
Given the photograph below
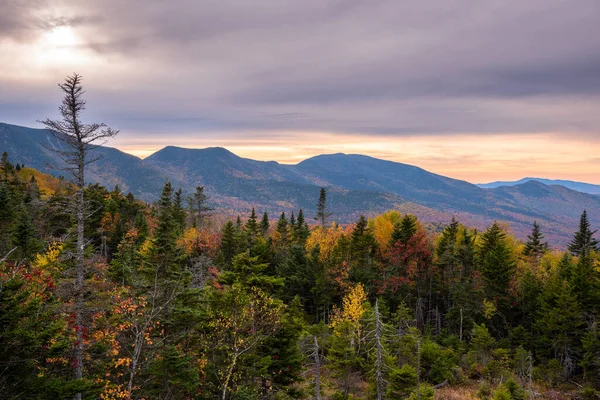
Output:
x=31 y=147
x=579 y=186
x=356 y=184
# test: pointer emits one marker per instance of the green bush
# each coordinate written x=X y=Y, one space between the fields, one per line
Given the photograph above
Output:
x=515 y=390
x=427 y=392
x=501 y=393
x=484 y=391
x=402 y=381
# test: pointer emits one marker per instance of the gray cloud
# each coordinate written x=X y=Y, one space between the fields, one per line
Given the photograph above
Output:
x=383 y=67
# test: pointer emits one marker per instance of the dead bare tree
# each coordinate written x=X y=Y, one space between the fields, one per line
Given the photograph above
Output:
x=76 y=140
x=379 y=365
x=317 y=360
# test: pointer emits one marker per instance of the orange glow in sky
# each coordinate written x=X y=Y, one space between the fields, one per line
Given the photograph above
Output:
x=472 y=158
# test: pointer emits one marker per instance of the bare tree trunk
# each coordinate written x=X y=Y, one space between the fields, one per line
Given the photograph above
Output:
x=76 y=140
x=79 y=264
x=317 y=360
x=461 y=324
x=228 y=377
x=419 y=369
x=379 y=363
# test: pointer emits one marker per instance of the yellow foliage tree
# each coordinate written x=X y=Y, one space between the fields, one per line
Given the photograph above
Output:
x=382 y=227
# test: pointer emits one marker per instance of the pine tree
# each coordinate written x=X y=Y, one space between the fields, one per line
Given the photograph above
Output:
x=534 y=247
x=583 y=242
x=322 y=212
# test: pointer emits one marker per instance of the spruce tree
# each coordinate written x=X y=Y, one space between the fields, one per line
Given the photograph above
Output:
x=301 y=231
x=252 y=225
x=534 y=247
x=24 y=234
x=179 y=212
x=583 y=242
x=497 y=269
x=228 y=242
x=198 y=206
x=322 y=212
x=264 y=224
x=405 y=229
x=283 y=229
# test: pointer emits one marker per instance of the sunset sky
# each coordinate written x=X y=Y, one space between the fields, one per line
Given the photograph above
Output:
x=477 y=90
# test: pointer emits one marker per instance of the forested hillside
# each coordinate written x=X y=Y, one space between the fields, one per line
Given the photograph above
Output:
x=356 y=184
x=179 y=304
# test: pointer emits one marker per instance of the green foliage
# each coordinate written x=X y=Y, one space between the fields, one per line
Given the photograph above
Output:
x=227 y=317
x=401 y=382
x=425 y=392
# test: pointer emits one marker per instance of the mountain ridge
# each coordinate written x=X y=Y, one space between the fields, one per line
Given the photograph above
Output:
x=583 y=187
x=356 y=184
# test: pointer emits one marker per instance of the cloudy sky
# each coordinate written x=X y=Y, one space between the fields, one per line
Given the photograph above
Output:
x=477 y=90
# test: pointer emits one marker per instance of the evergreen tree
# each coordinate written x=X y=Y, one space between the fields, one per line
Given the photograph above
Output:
x=405 y=229
x=264 y=224
x=583 y=242
x=322 y=212
x=24 y=234
x=228 y=242
x=252 y=226
x=283 y=230
x=178 y=212
x=362 y=251
x=497 y=269
x=198 y=206
x=301 y=231
x=534 y=247
x=560 y=323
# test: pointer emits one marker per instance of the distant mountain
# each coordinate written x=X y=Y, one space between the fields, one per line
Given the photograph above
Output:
x=356 y=184
x=579 y=186
x=31 y=147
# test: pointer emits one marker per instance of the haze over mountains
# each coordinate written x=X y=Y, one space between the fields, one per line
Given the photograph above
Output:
x=356 y=184
x=579 y=186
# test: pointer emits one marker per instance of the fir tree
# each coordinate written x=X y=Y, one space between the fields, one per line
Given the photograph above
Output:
x=264 y=224
x=252 y=225
x=301 y=231
x=497 y=268
x=283 y=230
x=228 y=242
x=534 y=247
x=198 y=207
x=178 y=212
x=583 y=242
x=322 y=212
x=24 y=234
x=404 y=229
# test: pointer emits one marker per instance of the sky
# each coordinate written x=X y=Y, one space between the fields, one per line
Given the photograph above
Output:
x=476 y=90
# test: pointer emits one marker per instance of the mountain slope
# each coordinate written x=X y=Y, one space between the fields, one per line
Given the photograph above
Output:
x=578 y=186
x=356 y=184
x=32 y=147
